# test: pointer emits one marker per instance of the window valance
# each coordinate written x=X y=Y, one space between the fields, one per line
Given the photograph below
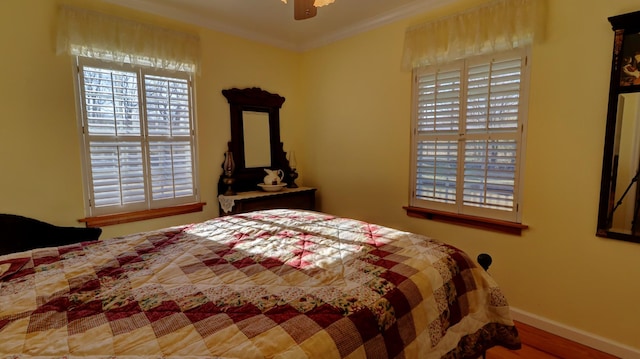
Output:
x=495 y=26
x=92 y=34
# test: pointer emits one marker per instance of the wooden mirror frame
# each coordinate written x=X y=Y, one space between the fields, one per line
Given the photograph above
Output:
x=257 y=100
x=626 y=24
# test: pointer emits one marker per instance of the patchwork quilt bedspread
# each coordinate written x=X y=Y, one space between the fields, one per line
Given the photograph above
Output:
x=267 y=284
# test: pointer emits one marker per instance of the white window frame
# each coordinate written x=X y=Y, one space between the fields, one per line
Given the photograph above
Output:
x=460 y=136
x=91 y=209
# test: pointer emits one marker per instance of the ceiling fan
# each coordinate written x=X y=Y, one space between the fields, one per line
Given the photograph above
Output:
x=305 y=9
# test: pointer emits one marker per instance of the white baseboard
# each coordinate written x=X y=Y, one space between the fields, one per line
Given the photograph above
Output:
x=576 y=335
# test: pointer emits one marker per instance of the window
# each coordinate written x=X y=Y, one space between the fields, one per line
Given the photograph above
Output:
x=467 y=138
x=138 y=135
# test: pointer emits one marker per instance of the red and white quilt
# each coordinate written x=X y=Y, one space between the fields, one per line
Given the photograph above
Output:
x=267 y=284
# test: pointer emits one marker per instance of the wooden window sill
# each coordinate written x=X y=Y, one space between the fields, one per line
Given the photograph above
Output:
x=111 y=219
x=465 y=220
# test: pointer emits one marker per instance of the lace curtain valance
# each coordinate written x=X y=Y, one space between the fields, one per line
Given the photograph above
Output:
x=92 y=34
x=498 y=25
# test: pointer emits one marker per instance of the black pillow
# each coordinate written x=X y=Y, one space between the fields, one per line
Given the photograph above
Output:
x=18 y=233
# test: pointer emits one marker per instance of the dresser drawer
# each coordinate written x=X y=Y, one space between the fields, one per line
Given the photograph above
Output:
x=295 y=198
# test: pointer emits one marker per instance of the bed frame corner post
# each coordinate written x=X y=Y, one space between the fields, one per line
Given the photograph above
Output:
x=484 y=260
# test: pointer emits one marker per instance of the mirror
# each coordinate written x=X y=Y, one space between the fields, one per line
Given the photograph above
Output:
x=626 y=165
x=255 y=137
x=257 y=149
x=619 y=208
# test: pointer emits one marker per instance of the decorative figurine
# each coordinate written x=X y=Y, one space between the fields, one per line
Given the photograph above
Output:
x=293 y=174
x=228 y=166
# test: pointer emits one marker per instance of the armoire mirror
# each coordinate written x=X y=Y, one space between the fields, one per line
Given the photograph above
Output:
x=619 y=208
x=255 y=136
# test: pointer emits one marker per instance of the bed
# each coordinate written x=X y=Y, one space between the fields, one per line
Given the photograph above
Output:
x=264 y=284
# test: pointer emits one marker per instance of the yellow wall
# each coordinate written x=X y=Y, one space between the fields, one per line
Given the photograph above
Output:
x=347 y=116
x=358 y=115
x=39 y=144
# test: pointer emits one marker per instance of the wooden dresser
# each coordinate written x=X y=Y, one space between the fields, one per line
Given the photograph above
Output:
x=297 y=198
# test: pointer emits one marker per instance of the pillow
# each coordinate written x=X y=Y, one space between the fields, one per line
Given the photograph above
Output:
x=18 y=233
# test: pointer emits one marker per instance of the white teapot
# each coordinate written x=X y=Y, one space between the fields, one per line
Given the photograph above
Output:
x=273 y=176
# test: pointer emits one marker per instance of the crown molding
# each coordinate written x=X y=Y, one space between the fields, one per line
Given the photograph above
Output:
x=150 y=7
x=406 y=11
x=397 y=14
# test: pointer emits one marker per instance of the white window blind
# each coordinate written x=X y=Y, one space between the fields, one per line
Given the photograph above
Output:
x=467 y=139
x=139 y=137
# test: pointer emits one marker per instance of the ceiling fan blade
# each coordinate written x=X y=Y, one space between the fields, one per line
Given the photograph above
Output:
x=304 y=9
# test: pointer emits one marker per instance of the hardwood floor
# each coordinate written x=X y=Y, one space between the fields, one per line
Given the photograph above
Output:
x=538 y=344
